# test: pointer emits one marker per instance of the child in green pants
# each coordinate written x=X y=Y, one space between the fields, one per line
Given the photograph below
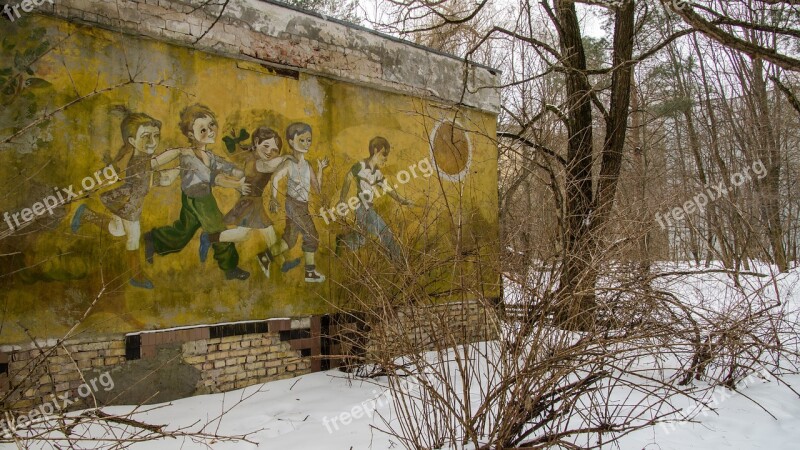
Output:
x=200 y=170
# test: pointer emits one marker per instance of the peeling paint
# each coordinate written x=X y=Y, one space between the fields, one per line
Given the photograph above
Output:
x=313 y=92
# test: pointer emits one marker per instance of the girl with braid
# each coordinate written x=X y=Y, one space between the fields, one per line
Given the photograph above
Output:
x=249 y=214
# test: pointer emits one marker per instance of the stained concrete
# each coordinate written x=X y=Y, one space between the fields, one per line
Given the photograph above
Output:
x=146 y=381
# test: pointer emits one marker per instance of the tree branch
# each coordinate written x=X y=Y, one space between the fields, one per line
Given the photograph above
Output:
x=541 y=148
x=729 y=40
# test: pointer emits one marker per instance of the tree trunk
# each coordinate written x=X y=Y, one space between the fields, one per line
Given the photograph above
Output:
x=578 y=277
x=587 y=214
x=769 y=153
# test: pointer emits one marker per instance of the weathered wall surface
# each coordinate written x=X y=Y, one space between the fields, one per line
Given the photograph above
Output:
x=276 y=34
x=81 y=191
x=82 y=197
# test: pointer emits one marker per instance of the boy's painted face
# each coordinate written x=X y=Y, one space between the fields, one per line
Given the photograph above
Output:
x=267 y=149
x=146 y=140
x=301 y=142
x=204 y=130
x=381 y=157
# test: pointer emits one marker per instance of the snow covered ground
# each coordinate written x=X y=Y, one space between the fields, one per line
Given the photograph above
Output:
x=737 y=423
x=291 y=414
x=328 y=411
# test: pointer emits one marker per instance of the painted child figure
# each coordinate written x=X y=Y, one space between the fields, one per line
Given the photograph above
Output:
x=368 y=177
x=141 y=135
x=249 y=214
x=200 y=170
x=300 y=178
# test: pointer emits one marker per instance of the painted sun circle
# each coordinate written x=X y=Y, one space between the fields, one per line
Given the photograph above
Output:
x=451 y=150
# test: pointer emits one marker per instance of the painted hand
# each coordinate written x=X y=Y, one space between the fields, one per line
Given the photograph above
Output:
x=244 y=188
x=322 y=164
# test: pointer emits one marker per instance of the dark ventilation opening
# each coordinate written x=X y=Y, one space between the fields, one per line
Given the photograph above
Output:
x=290 y=335
x=237 y=329
x=288 y=73
x=133 y=347
x=325 y=342
x=269 y=70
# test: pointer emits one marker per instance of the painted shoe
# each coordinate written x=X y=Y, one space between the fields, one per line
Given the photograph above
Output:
x=205 y=246
x=289 y=265
x=264 y=262
x=146 y=284
x=76 y=219
x=237 y=274
x=312 y=276
x=149 y=249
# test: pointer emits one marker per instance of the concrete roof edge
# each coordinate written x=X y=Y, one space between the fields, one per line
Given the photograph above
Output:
x=493 y=70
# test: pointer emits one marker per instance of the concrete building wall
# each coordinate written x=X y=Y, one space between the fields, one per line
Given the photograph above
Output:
x=259 y=63
x=266 y=31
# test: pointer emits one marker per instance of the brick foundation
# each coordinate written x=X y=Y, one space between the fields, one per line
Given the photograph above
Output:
x=354 y=337
x=225 y=357
x=41 y=370
x=219 y=358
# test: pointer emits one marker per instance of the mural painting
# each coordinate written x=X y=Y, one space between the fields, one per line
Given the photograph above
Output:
x=148 y=185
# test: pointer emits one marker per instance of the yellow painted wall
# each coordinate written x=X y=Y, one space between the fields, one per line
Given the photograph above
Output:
x=50 y=277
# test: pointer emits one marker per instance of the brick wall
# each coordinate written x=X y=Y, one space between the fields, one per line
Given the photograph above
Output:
x=234 y=362
x=224 y=357
x=417 y=328
x=42 y=369
x=428 y=327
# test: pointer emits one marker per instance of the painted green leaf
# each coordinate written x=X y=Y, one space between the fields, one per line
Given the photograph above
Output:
x=37 y=34
x=36 y=83
x=42 y=48
x=230 y=144
x=30 y=98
